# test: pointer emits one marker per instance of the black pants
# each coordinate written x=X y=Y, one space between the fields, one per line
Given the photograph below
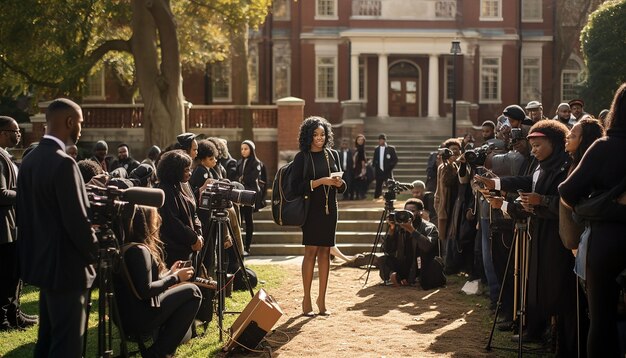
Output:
x=381 y=178
x=10 y=285
x=62 y=316
x=246 y=214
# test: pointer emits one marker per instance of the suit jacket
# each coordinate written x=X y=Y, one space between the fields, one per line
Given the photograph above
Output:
x=8 y=180
x=57 y=245
x=390 y=160
x=349 y=165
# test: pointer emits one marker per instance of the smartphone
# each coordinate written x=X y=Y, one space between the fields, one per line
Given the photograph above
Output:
x=494 y=192
x=336 y=174
x=185 y=263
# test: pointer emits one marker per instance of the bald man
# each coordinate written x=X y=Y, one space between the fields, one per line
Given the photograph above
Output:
x=57 y=245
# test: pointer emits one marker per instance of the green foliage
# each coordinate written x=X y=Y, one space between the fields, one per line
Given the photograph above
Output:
x=50 y=47
x=19 y=344
x=603 y=42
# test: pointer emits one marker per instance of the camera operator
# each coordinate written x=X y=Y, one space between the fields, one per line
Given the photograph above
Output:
x=428 y=198
x=151 y=298
x=410 y=247
x=551 y=281
x=447 y=186
x=57 y=244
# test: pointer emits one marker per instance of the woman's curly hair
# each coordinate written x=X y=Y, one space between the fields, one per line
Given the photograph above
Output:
x=617 y=114
x=172 y=166
x=307 y=128
x=554 y=130
x=206 y=149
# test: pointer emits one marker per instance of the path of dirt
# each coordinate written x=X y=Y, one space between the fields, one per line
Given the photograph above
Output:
x=379 y=321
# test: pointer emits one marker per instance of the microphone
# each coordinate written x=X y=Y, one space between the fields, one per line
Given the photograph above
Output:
x=144 y=196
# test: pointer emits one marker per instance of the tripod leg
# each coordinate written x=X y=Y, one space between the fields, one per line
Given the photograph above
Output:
x=498 y=305
x=377 y=240
x=87 y=309
x=239 y=258
x=221 y=279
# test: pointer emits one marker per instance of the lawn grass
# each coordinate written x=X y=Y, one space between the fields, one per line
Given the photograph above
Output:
x=18 y=344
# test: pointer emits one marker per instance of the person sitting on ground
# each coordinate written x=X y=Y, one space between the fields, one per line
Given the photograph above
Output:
x=150 y=297
x=406 y=244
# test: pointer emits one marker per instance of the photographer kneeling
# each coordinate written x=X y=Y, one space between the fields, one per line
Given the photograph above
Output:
x=410 y=248
x=150 y=299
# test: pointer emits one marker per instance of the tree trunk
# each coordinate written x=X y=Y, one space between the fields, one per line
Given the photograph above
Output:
x=160 y=80
x=240 y=76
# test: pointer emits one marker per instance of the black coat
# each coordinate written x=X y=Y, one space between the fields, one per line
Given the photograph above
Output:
x=57 y=245
x=551 y=286
x=8 y=181
x=389 y=162
x=250 y=176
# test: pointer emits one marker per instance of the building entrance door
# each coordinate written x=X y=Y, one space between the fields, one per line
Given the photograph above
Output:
x=404 y=90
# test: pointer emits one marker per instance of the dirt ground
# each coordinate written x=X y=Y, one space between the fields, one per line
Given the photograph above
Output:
x=379 y=321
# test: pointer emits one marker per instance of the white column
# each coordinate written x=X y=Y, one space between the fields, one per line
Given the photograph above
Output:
x=354 y=77
x=433 y=86
x=383 y=86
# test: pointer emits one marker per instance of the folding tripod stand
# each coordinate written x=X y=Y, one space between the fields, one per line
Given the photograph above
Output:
x=389 y=200
x=520 y=247
x=217 y=226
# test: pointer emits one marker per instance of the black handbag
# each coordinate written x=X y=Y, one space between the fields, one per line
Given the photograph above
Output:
x=603 y=206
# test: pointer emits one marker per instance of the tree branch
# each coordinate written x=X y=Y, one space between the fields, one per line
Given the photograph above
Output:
x=110 y=45
x=28 y=76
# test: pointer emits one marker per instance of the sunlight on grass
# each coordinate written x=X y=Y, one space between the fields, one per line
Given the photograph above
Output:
x=22 y=343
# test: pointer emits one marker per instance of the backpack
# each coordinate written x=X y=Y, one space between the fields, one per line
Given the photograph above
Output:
x=288 y=209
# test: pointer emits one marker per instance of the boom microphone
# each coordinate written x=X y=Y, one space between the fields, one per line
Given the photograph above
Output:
x=144 y=196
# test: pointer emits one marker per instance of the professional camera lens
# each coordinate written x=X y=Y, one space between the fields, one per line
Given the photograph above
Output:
x=403 y=216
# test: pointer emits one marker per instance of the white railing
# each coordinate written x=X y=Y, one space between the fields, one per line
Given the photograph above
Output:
x=404 y=9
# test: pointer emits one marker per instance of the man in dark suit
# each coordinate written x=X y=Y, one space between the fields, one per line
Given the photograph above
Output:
x=57 y=245
x=346 y=163
x=385 y=159
x=10 y=286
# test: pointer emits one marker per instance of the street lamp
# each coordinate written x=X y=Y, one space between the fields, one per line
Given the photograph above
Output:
x=456 y=49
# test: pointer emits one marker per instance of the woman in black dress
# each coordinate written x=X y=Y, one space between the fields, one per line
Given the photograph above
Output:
x=248 y=173
x=606 y=250
x=316 y=161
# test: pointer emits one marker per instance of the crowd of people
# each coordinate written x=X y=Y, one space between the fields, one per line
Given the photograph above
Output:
x=169 y=253
x=519 y=191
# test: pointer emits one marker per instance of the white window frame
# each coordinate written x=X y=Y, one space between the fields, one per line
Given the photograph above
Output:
x=567 y=71
x=253 y=72
x=538 y=5
x=98 y=76
x=318 y=66
x=228 y=79
x=282 y=49
x=498 y=69
x=287 y=7
x=536 y=85
x=319 y=16
x=362 y=78
x=495 y=17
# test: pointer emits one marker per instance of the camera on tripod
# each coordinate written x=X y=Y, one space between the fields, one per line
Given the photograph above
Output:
x=222 y=195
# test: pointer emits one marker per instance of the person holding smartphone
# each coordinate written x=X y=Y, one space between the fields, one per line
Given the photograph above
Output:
x=551 y=288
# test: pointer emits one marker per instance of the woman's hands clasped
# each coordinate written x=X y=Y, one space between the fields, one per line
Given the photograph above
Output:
x=181 y=271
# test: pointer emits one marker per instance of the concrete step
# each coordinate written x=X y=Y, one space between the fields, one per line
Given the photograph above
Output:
x=297 y=249
x=342 y=225
x=344 y=214
x=284 y=237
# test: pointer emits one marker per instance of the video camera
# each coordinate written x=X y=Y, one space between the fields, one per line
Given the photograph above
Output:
x=445 y=153
x=477 y=156
x=222 y=195
x=107 y=203
x=400 y=216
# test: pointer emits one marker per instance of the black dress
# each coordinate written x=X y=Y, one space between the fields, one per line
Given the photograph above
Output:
x=319 y=227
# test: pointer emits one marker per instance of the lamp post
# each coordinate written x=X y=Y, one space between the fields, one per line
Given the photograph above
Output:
x=456 y=49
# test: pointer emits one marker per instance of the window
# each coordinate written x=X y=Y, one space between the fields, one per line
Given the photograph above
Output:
x=490 y=10
x=253 y=74
x=490 y=79
x=531 y=79
x=94 y=85
x=362 y=79
x=532 y=11
x=280 y=9
x=282 y=69
x=221 y=81
x=569 y=80
x=326 y=78
x=326 y=9
x=449 y=80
